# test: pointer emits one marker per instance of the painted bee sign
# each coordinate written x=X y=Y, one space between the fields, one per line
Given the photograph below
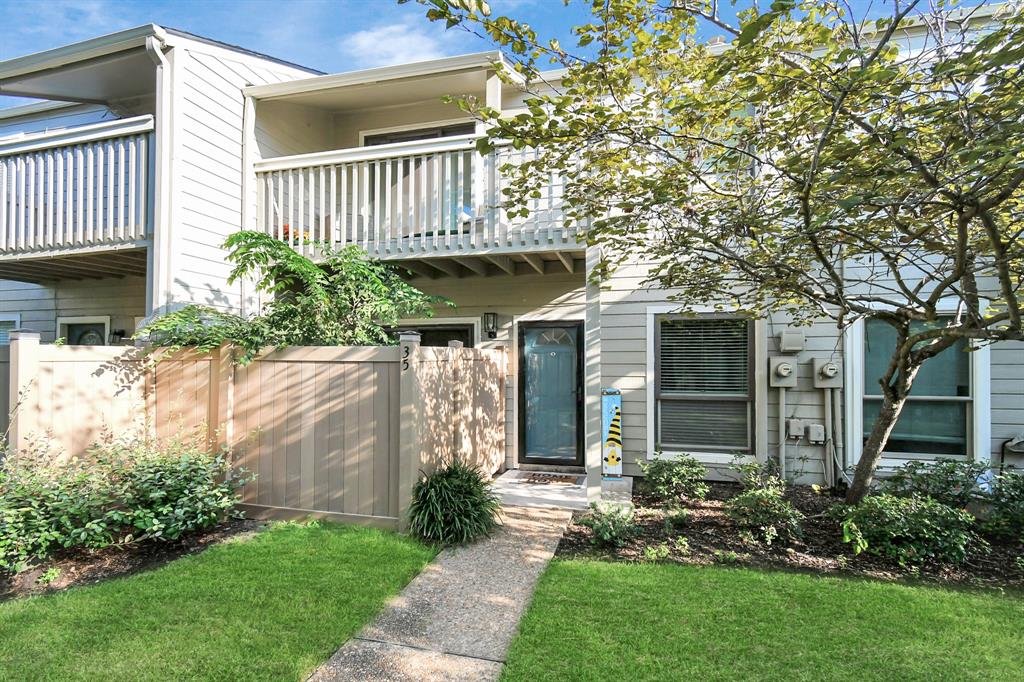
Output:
x=611 y=432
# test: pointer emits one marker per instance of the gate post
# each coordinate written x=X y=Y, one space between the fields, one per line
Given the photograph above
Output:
x=410 y=430
x=23 y=394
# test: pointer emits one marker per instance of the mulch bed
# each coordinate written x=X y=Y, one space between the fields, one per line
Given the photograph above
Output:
x=713 y=539
x=88 y=567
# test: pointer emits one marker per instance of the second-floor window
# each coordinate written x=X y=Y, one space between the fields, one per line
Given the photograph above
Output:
x=419 y=134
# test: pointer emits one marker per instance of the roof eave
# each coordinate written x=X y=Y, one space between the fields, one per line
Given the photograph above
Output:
x=81 y=51
x=376 y=75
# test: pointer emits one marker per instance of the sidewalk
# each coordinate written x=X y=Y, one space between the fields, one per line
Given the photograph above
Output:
x=456 y=620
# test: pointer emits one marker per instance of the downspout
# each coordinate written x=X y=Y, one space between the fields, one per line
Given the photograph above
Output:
x=830 y=444
x=246 y=287
x=159 y=251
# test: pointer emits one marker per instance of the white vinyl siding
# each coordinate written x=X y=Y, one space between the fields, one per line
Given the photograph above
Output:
x=207 y=205
x=704 y=385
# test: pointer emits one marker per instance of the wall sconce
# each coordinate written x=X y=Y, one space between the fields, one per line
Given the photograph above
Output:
x=491 y=325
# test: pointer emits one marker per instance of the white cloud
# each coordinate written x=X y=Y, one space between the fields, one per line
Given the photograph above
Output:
x=398 y=42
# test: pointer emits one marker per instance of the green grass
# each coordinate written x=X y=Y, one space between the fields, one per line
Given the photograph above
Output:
x=268 y=608
x=592 y=620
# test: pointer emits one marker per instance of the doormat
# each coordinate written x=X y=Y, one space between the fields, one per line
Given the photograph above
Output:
x=548 y=479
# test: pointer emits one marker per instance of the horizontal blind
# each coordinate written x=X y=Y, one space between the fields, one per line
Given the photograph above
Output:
x=705 y=356
x=6 y=326
x=705 y=424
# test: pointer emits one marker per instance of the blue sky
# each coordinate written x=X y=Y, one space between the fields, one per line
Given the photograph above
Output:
x=330 y=35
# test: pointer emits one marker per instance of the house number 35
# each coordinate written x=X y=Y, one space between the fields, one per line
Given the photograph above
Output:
x=405 y=357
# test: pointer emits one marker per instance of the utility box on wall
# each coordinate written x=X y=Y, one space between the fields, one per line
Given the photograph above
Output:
x=782 y=372
x=827 y=374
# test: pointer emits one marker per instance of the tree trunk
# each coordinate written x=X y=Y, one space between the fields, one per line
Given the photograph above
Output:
x=871 y=455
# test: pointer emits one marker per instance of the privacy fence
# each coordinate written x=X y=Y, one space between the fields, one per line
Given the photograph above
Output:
x=333 y=432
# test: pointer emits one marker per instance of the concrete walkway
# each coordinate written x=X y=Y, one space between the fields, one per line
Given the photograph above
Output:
x=456 y=619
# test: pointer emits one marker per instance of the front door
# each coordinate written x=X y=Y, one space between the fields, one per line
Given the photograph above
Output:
x=550 y=393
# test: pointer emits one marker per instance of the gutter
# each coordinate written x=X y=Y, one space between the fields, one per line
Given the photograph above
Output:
x=159 y=266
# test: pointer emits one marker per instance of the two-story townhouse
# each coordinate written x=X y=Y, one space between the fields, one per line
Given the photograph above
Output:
x=118 y=190
x=379 y=159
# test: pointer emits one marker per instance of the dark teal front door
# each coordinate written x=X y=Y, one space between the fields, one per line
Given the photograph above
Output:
x=550 y=395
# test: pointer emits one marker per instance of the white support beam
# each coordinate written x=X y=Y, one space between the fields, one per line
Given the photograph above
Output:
x=503 y=262
x=566 y=260
x=451 y=269
x=474 y=264
x=535 y=262
x=418 y=269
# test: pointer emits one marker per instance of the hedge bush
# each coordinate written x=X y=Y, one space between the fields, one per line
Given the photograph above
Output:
x=951 y=482
x=668 y=480
x=766 y=514
x=909 y=530
x=118 y=492
x=453 y=505
x=613 y=524
x=1006 y=514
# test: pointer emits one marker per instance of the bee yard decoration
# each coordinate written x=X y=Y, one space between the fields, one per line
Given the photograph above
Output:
x=611 y=432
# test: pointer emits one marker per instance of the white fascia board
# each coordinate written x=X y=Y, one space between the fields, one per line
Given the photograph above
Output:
x=77 y=52
x=479 y=60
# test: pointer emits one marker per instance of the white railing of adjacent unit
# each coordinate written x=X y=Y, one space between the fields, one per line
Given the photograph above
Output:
x=80 y=187
x=404 y=199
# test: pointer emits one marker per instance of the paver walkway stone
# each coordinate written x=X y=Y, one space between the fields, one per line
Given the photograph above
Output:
x=456 y=620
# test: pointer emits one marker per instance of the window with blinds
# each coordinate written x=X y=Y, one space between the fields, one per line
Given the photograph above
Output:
x=704 y=385
x=6 y=326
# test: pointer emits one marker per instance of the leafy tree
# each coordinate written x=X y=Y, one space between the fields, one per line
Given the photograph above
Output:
x=343 y=299
x=817 y=164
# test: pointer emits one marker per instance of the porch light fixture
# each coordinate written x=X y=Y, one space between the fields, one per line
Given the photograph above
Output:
x=491 y=325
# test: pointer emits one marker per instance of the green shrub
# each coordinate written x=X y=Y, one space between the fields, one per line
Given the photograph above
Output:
x=766 y=514
x=612 y=524
x=909 y=530
x=670 y=479
x=676 y=519
x=754 y=475
x=453 y=505
x=1006 y=514
x=119 y=491
x=951 y=482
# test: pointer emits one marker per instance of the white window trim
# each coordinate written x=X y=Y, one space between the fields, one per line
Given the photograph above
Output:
x=87 y=319
x=981 y=398
x=363 y=134
x=760 y=387
x=444 y=321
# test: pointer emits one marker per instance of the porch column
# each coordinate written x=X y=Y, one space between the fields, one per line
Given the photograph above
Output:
x=410 y=437
x=592 y=379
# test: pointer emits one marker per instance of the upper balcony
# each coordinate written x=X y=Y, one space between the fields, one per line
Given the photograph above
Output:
x=69 y=195
x=379 y=159
x=413 y=201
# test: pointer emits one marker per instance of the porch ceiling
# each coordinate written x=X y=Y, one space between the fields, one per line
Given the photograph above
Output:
x=80 y=266
x=489 y=265
x=101 y=80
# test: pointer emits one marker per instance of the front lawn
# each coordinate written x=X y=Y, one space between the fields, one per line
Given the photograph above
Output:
x=594 y=620
x=271 y=607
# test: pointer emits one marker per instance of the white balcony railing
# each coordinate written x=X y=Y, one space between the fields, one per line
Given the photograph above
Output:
x=76 y=188
x=404 y=200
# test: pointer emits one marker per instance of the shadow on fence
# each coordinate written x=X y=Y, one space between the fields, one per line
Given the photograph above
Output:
x=333 y=432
